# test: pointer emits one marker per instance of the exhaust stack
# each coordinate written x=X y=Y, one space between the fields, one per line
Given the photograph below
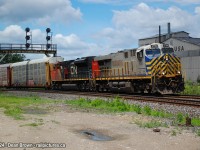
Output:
x=159 y=34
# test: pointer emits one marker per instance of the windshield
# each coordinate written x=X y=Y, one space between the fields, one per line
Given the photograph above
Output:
x=167 y=50
x=152 y=52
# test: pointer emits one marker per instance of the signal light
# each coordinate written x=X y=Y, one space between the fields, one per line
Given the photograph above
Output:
x=28 y=37
x=27 y=45
x=27 y=29
x=48 y=38
x=48 y=46
x=48 y=30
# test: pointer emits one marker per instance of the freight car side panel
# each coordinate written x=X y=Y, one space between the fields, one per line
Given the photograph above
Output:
x=29 y=74
x=4 y=75
x=18 y=72
x=35 y=73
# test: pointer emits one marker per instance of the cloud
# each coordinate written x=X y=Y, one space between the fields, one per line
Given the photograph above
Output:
x=72 y=46
x=187 y=1
x=128 y=2
x=12 y=33
x=112 y=2
x=38 y=11
x=142 y=21
x=69 y=47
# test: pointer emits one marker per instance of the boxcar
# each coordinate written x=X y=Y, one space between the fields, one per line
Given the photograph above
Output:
x=5 y=75
x=34 y=73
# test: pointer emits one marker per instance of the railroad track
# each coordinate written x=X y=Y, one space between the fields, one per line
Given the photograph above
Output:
x=186 y=100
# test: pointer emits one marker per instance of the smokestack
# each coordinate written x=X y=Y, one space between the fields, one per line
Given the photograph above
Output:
x=159 y=34
x=169 y=29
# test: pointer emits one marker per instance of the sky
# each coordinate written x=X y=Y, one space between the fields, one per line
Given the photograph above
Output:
x=94 y=27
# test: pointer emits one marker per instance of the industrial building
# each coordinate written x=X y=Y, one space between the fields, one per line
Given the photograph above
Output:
x=186 y=47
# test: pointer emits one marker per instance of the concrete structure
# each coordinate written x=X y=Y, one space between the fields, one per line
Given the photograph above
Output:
x=186 y=47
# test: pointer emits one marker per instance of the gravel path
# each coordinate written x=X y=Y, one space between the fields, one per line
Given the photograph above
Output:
x=64 y=126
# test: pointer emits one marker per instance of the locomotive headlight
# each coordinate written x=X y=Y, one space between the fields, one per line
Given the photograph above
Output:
x=179 y=72
x=163 y=73
x=166 y=58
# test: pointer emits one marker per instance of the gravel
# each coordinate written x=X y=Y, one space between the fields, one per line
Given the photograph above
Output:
x=191 y=111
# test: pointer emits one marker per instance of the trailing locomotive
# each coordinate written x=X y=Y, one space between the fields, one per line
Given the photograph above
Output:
x=151 y=68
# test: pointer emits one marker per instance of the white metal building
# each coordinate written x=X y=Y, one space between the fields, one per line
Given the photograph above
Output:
x=186 y=47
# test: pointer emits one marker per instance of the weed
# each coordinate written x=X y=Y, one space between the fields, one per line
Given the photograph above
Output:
x=56 y=122
x=14 y=105
x=32 y=124
x=173 y=133
x=137 y=109
x=180 y=118
x=115 y=105
x=151 y=124
x=96 y=103
x=147 y=110
x=15 y=112
x=155 y=113
x=198 y=132
x=191 y=88
x=195 y=121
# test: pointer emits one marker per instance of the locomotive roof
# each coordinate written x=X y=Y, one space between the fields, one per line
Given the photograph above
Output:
x=109 y=56
x=105 y=57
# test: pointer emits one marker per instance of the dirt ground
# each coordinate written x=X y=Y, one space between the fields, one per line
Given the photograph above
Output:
x=64 y=127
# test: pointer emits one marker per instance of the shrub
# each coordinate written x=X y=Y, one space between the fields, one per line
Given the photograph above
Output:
x=137 y=109
x=180 y=118
x=147 y=110
x=96 y=103
x=173 y=133
x=198 y=132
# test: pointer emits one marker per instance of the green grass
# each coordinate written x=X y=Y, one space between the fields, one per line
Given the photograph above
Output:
x=13 y=105
x=173 y=133
x=151 y=124
x=196 y=122
x=191 y=88
x=32 y=124
x=117 y=105
x=198 y=132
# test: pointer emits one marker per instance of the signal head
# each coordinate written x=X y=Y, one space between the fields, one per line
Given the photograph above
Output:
x=27 y=29
x=48 y=30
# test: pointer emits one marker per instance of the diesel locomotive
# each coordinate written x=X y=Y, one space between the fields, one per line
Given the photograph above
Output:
x=152 y=68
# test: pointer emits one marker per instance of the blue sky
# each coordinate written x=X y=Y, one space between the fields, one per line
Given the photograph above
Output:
x=95 y=27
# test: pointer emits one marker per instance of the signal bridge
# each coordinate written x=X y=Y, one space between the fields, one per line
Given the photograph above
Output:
x=33 y=48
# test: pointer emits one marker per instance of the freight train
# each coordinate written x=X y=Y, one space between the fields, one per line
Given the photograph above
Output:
x=152 y=68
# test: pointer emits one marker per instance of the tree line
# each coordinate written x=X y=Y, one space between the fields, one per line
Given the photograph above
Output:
x=12 y=58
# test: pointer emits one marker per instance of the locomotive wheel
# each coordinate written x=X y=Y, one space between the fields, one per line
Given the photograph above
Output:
x=100 y=89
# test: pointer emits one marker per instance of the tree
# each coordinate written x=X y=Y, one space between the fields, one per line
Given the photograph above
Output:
x=12 y=58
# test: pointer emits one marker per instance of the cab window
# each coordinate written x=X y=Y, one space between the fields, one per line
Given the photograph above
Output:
x=167 y=50
x=140 y=54
x=152 y=52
